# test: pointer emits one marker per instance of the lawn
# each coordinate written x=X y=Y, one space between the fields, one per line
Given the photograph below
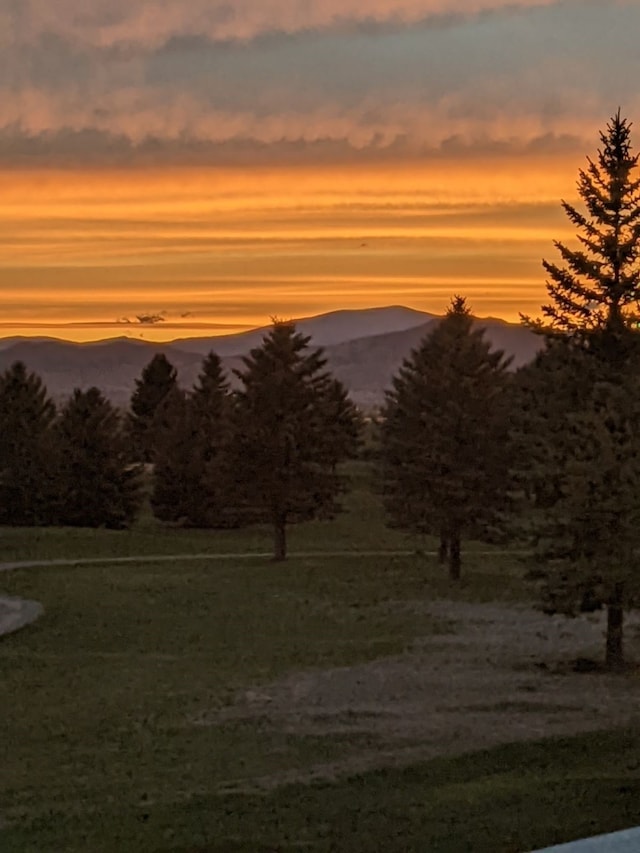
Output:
x=101 y=702
x=360 y=528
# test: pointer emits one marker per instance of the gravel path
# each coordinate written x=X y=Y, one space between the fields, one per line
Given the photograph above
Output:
x=503 y=674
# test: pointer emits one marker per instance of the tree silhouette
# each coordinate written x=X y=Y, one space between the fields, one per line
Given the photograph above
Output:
x=191 y=482
x=293 y=425
x=97 y=485
x=26 y=474
x=157 y=380
x=444 y=436
x=596 y=288
x=580 y=440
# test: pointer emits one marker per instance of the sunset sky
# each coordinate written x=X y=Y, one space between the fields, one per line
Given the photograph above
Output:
x=212 y=163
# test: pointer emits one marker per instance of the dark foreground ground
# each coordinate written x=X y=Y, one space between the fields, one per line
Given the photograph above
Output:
x=343 y=703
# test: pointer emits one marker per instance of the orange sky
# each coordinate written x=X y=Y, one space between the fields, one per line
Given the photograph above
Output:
x=214 y=250
x=212 y=164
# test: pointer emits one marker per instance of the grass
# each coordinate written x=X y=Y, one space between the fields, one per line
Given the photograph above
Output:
x=360 y=528
x=99 y=747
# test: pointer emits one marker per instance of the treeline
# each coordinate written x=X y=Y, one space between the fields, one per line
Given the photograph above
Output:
x=269 y=452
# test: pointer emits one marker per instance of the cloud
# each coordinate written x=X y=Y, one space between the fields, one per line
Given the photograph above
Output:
x=150 y=82
x=151 y=23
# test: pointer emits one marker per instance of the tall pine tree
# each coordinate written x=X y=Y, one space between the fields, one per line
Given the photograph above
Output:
x=596 y=287
x=579 y=443
x=444 y=436
x=293 y=426
x=27 y=482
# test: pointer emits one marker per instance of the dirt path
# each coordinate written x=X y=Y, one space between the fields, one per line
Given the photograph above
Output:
x=249 y=555
x=502 y=675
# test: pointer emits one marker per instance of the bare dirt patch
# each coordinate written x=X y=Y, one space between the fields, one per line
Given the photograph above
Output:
x=500 y=676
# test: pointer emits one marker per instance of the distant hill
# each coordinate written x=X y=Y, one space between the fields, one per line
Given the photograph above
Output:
x=325 y=330
x=364 y=361
x=112 y=366
x=367 y=365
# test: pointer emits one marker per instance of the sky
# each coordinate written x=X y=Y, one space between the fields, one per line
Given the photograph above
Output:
x=195 y=167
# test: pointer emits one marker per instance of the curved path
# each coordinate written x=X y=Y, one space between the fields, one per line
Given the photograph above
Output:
x=16 y=613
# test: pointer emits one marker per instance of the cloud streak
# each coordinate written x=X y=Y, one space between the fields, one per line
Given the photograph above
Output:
x=152 y=23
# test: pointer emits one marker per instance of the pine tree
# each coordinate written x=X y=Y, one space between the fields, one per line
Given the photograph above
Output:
x=97 y=485
x=158 y=378
x=211 y=404
x=176 y=472
x=578 y=440
x=444 y=436
x=26 y=475
x=191 y=480
x=293 y=426
x=597 y=288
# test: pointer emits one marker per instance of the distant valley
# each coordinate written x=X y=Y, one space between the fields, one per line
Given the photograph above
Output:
x=364 y=349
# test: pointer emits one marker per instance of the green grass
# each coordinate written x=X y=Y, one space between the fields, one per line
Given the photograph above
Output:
x=99 y=697
x=360 y=528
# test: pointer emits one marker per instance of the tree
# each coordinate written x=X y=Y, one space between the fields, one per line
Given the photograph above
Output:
x=158 y=378
x=176 y=471
x=26 y=418
x=293 y=426
x=444 y=436
x=97 y=485
x=597 y=288
x=580 y=441
x=191 y=483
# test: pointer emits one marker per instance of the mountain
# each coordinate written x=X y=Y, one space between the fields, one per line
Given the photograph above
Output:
x=5 y=343
x=363 y=360
x=367 y=365
x=113 y=366
x=325 y=330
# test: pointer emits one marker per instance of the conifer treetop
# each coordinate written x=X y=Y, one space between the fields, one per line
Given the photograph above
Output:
x=596 y=287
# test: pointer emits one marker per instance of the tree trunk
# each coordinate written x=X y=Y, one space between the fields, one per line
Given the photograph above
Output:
x=615 y=619
x=279 y=538
x=455 y=562
x=443 y=550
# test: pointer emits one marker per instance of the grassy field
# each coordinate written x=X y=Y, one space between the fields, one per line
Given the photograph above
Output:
x=102 y=749
x=360 y=528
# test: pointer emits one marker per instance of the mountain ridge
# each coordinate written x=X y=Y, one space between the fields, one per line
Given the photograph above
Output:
x=365 y=363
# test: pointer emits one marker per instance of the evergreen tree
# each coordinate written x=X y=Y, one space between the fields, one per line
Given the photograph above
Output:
x=97 y=485
x=597 y=287
x=177 y=467
x=145 y=419
x=444 y=437
x=191 y=478
x=578 y=458
x=211 y=404
x=26 y=475
x=579 y=442
x=293 y=426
